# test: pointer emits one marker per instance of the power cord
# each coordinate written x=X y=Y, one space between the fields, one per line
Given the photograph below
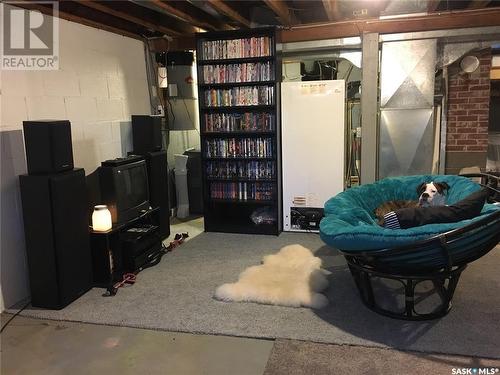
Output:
x=131 y=277
x=302 y=221
x=13 y=316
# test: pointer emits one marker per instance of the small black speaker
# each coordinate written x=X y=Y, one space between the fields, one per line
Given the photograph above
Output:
x=146 y=133
x=48 y=146
x=55 y=216
x=158 y=188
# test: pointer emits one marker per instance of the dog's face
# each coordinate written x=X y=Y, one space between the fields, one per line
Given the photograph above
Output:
x=432 y=194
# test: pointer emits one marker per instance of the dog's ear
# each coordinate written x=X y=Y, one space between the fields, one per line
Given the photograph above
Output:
x=421 y=188
x=441 y=186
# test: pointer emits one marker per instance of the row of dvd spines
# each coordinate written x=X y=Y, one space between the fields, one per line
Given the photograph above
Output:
x=237 y=122
x=242 y=191
x=231 y=73
x=238 y=96
x=239 y=148
x=257 y=170
x=236 y=48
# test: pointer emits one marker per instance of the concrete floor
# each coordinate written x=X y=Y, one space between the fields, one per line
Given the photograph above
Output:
x=35 y=346
x=47 y=347
x=31 y=346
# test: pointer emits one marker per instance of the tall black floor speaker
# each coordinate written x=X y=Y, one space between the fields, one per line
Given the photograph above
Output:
x=158 y=187
x=57 y=238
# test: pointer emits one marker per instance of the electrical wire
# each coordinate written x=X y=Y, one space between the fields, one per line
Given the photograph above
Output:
x=171 y=110
x=300 y=220
x=131 y=277
x=348 y=73
x=13 y=316
x=189 y=116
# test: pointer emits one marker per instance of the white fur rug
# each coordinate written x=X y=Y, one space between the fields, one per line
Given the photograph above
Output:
x=292 y=277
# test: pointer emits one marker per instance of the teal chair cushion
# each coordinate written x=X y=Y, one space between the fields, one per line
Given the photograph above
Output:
x=350 y=224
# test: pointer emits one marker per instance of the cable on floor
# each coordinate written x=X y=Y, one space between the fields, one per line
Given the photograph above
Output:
x=131 y=277
x=13 y=316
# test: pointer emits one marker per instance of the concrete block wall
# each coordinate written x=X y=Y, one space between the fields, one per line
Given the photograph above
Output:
x=100 y=83
x=468 y=115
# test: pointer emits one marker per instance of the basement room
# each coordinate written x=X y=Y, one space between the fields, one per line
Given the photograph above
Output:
x=253 y=187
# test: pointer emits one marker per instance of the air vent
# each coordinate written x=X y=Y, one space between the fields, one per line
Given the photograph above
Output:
x=299 y=201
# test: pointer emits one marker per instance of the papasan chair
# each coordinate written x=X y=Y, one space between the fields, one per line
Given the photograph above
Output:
x=428 y=257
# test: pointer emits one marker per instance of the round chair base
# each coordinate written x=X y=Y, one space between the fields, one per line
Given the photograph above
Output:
x=444 y=283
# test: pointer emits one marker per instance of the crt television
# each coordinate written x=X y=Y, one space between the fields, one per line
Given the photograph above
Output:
x=124 y=187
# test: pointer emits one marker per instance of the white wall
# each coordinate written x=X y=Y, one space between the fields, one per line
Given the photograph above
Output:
x=101 y=82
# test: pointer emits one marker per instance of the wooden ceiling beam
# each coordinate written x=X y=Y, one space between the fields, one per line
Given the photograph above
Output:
x=432 y=5
x=219 y=6
x=280 y=8
x=440 y=21
x=185 y=17
x=78 y=19
x=332 y=10
x=129 y=17
x=478 y=4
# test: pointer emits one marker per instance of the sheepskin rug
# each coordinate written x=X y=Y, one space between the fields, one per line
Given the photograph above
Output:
x=292 y=277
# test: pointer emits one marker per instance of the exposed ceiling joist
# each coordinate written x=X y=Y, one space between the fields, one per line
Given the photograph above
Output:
x=130 y=17
x=280 y=8
x=477 y=4
x=441 y=21
x=332 y=10
x=229 y=12
x=78 y=19
x=183 y=16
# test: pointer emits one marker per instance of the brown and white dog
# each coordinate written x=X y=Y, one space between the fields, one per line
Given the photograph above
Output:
x=429 y=194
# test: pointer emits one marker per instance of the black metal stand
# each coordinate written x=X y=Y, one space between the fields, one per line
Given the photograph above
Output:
x=444 y=283
x=110 y=258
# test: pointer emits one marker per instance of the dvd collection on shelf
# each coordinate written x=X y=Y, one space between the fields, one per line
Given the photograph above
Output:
x=255 y=170
x=236 y=48
x=259 y=191
x=235 y=73
x=239 y=130
x=239 y=122
x=238 y=96
x=239 y=148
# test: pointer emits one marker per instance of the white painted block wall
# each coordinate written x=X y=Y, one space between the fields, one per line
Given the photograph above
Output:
x=101 y=82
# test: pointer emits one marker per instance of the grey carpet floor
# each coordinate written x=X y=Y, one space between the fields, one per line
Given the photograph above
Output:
x=176 y=295
x=291 y=357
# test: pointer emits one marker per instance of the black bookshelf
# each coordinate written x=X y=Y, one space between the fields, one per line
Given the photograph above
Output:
x=238 y=91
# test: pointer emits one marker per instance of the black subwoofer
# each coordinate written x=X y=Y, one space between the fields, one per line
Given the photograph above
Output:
x=57 y=239
x=146 y=133
x=48 y=146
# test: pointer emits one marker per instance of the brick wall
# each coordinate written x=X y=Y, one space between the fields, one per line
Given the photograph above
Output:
x=468 y=110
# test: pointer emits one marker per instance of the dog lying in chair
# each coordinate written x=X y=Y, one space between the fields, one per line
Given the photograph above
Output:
x=430 y=194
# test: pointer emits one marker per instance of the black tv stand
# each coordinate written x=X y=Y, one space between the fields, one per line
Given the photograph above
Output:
x=127 y=247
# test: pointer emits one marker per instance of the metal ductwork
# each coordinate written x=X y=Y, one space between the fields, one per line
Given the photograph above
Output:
x=406 y=107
